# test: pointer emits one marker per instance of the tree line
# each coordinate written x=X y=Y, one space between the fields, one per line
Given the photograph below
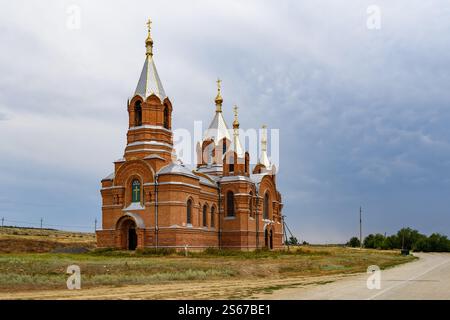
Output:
x=405 y=238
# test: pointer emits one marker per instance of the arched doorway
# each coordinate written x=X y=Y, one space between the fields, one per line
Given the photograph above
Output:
x=132 y=238
x=128 y=234
x=266 y=238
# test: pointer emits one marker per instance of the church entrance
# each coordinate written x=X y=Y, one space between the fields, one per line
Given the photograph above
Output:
x=132 y=239
x=128 y=234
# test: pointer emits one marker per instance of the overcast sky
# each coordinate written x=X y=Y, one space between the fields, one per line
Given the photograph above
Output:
x=363 y=113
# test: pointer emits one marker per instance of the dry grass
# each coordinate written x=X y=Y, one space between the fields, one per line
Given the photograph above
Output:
x=27 y=272
x=15 y=240
x=28 y=268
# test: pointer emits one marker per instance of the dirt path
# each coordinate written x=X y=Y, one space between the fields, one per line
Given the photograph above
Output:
x=223 y=289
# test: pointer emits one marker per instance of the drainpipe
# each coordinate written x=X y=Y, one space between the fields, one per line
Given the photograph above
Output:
x=156 y=211
x=220 y=220
x=257 y=218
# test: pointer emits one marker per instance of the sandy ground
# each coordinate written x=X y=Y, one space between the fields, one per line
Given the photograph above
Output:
x=223 y=289
x=426 y=278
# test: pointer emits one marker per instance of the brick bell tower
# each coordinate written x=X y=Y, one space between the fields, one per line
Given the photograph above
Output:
x=128 y=194
x=150 y=115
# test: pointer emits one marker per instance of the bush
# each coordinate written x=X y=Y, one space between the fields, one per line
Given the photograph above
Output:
x=155 y=251
x=101 y=251
x=434 y=243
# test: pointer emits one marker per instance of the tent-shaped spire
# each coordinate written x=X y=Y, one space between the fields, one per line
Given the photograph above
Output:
x=236 y=145
x=149 y=82
x=218 y=128
x=264 y=159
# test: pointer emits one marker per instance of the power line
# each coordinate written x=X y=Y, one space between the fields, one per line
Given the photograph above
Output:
x=41 y=224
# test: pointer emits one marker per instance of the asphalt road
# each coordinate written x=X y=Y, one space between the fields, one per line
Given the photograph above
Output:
x=426 y=278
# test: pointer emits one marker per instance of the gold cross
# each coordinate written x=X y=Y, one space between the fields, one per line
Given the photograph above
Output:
x=235 y=110
x=218 y=83
x=149 y=23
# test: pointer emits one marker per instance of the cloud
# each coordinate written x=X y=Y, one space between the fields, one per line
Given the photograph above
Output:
x=363 y=115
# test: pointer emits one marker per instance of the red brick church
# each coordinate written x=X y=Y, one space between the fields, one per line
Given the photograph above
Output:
x=151 y=200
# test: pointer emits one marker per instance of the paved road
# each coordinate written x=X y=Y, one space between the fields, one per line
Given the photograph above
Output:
x=426 y=278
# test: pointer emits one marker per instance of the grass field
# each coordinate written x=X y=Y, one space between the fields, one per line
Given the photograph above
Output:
x=14 y=239
x=211 y=274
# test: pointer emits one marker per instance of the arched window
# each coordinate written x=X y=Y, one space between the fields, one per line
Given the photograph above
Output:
x=250 y=205
x=224 y=146
x=230 y=204
x=266 y=206
x=137 y=114
x=205 y=212
x=213 y=209
x=166 y=117
x=189 y=212
x=135 y=191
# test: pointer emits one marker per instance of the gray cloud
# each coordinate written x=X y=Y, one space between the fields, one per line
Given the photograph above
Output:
x=363 y=115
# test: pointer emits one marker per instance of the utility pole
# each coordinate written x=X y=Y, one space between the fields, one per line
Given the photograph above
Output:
x=360 y=228
x=95 y=227
x=403 y=240
x=41 y=223
x=3 y=219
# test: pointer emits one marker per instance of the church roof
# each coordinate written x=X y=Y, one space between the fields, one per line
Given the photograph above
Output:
x=256 y=178
x=264 y=160
x=217 y=130
x=210 y=181
x=137 y=218
x=236 y=146
x=109 y=177
x=149 y=82
x=178 y=169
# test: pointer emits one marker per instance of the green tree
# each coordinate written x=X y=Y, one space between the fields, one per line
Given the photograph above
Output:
x=422 y=245
x=354 y=242
x=391 y=242
x=368 y=241
x=292 y=241
x=408 y=238
x=438 y=243
x=374 y=241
